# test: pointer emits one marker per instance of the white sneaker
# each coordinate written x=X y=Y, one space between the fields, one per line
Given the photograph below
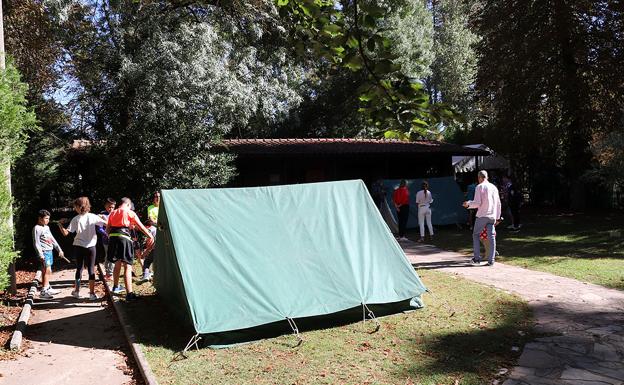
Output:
x=52 y=291
x=45 y=294
x=75 y=294
x=511 y=227
x=93 y=297
x=403 y=239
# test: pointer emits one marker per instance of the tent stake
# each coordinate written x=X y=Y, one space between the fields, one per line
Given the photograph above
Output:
x=370 y=315
x=295 y=330
x=192 y=342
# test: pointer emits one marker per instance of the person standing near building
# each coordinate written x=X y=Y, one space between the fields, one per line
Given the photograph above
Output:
x=378 y=193
x=488 y=205
x=472 y=213
x=515 y=202
x=400 y=197
x=424 y=198
x=505 y=196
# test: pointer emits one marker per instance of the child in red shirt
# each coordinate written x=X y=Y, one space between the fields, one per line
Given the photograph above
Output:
x=121 y=246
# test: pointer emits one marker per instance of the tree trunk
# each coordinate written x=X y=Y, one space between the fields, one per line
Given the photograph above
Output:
x=574 y=93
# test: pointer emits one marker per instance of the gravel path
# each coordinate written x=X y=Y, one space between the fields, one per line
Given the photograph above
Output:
x=587 y=320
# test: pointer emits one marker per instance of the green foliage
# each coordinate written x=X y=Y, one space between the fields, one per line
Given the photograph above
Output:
x=608 y=151
x=454 y=69
x=15 y=121
x=549 y=79
x=171 y=81
x=38 y=183
x=353 y=36
x=410 y=28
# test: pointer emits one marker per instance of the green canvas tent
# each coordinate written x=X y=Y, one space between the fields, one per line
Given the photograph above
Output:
x=237 y=258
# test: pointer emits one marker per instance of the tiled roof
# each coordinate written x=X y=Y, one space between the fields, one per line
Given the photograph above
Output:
x=311 y=146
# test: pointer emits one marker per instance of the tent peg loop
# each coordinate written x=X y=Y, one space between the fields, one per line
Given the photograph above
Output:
x=368 y=313
x=295 y=330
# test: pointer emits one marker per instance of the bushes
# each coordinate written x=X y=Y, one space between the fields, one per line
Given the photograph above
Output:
x=15 y=121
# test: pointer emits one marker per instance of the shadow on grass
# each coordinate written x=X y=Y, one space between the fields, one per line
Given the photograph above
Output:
x=475 y=354
x=568 y=341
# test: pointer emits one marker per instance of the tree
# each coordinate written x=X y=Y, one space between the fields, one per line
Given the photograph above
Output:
x=15 y=121
x=351 y=35
x=546 y=84
x=159 y=83
x=454 y=69
x=32 y=39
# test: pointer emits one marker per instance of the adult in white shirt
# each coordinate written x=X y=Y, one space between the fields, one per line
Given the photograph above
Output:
x=85 y=240
x=424 y=198
x=488 y=205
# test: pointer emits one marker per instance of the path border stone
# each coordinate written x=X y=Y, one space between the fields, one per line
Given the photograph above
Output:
x=137 y=352
x=22 y=321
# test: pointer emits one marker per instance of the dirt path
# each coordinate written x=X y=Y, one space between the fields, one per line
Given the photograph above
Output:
x=70 y=341
x=588 y=320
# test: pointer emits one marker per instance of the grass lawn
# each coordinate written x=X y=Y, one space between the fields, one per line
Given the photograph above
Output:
x=464 y=336
x=581 y=246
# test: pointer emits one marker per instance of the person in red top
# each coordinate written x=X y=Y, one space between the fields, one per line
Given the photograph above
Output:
x=120 y=245
x=400 y=197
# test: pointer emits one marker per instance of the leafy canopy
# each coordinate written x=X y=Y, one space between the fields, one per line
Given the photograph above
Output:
x=352 y=34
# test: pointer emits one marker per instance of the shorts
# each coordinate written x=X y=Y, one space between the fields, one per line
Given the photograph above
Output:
x=121 y=249
x=48 y=258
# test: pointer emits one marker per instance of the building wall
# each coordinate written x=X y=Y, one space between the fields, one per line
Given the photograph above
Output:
x=260 y=170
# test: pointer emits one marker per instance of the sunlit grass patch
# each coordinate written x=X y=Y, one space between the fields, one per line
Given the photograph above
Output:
x=586 y=247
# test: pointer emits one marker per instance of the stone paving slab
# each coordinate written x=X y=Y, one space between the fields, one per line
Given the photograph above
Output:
x=71 y=341
x=586 y=320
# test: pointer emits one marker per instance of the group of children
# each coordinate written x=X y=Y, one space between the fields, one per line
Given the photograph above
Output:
x=118 y=228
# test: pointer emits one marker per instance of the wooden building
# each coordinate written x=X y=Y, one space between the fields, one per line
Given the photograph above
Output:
x=262 y=162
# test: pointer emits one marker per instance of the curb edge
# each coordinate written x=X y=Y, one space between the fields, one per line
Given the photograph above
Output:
x=139 y=357
x=22 y=321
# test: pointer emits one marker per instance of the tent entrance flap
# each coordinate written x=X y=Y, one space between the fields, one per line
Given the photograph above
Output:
x=239 y=258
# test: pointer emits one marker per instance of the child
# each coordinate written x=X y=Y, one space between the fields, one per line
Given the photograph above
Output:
x=148 y=252
x=152 y=210
x=120 y=245
x=84 y=225
x=44 y=243
x=109 y=206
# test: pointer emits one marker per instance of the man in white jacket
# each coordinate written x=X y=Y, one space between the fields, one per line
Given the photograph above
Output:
x=488 y=205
